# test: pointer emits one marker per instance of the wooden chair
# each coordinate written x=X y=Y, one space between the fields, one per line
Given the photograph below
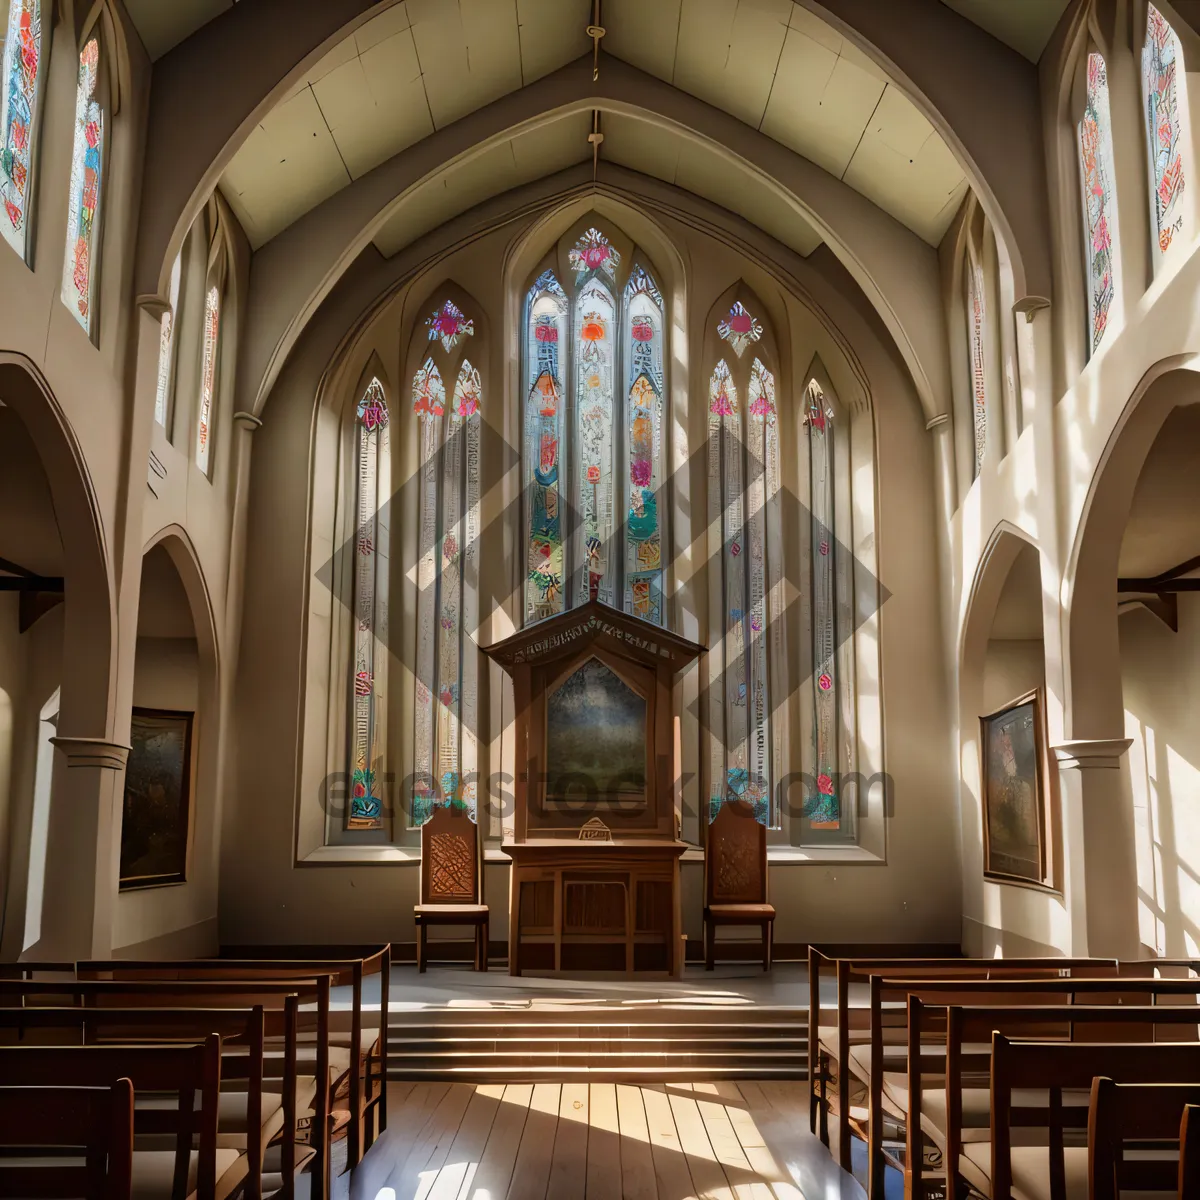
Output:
x=1146 y=1112
x=451 y=882
x=735 y=878
x=36 y=1122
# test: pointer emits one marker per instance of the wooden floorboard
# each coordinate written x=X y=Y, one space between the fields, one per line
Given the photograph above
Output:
x=597 y=1141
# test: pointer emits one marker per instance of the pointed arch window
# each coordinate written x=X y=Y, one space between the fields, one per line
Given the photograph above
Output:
x=209 y=354
x=86 y=190
x=1164 y=89
x=744 y=506
x=445 y=751
x=1099 y=198
x=166 y=347
x=23 y=68
x=976 y=315
x=368 y=685
x=594 y=476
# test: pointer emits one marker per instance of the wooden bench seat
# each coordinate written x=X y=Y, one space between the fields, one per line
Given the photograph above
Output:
x=191 y=1072
x=44 y=1129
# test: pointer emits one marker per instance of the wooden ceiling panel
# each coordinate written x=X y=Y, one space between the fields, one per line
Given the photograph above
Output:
x=553 y=33
x=644 y=35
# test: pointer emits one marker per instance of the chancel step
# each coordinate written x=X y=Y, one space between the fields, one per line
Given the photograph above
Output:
x=603 y=1042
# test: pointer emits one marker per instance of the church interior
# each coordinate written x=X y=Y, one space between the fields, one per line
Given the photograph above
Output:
x=451 y=748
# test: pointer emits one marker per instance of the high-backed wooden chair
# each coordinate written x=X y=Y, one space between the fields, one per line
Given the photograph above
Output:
x=451 y=881
x=735 y=878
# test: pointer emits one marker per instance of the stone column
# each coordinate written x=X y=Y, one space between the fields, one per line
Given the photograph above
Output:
x=83 y=848
x=1095 y=784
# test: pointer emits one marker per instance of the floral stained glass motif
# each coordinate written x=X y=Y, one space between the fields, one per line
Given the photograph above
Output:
x=593 y=255
x=368 y=692
x=975 y=318
x=22 y=75
x=445 y=751
x=740 y=328
x=1163 y=83
x=824 y=809
x=1099 y=199
x=743 y=468
x=166 y=341
x=546 y=335
x=644 y=414
x=595 y=355
x=449 y=325
x=83 y=214
x=208 y=376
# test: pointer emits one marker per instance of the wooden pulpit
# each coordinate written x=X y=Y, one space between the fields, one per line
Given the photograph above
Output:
x=594 y=845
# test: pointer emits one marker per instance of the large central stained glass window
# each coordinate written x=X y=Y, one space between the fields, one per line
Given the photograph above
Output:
x=593 y=435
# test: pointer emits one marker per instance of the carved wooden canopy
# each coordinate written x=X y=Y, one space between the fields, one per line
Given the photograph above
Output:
x=599 y=624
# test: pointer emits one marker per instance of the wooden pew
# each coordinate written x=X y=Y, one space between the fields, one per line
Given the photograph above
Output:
x=368 y=1069
x=1121 y=1112
x=961 y=1037
x=241 y=1030
x=96 y=1120
x=1055 y=1171
x=186 y=1071
x=887 y=1011
x=1189 y=1152
x=854 y=1025
x=297 y=1003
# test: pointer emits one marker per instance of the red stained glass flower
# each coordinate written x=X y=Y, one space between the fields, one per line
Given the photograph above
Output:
x=592 y=331
x=643 y=331
x=741 y=322
x=363 y=683
x=824 y=682
x=359 y=791
x=14 y=214
x=593 y=474
x=450 y=546
x=640 y=471
x=546 y=333
x=824 y=785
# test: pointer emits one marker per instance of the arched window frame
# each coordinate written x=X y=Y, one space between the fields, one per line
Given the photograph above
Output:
x=367 y=728
x=25 y=65
x=449 y=342
x=1168 y=134
x=607 y=541
x=90 y=148
x=1098 y=194
x=748 y=734
x=164 y=392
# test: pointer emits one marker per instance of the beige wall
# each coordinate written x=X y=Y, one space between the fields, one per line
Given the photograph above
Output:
x=280 y=882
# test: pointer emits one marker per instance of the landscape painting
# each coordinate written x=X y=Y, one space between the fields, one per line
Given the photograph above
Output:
x=154 y=827
x=1013 y=801
x=596 y=741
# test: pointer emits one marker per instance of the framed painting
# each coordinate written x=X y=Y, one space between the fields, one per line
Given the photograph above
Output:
x=158 y=782
x=1014 y=792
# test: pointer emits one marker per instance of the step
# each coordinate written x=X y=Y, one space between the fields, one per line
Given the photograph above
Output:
x=595 y=1073
x=592 y=1014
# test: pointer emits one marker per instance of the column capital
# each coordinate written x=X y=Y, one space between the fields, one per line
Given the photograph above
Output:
x=247 y=421
x=937 y=422
x=92 y=752
x=1103 y=753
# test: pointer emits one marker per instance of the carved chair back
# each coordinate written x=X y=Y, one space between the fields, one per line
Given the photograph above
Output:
x=735 y=860
x=450 y=859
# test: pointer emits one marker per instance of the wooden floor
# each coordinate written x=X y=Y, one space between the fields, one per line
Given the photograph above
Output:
x=568 y=1141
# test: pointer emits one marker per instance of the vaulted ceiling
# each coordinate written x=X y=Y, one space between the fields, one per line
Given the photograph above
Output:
x=423 y=64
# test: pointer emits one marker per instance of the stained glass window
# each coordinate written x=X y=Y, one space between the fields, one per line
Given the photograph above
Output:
x=449 y=326
x=83 y=213
x=1164 y=93
x=445 y=754
x=824 y=809
x=368 y=724
x=597 y=531
x=740 y=328
x=644 y=373
x=975 y=332
x=1099 y=199
x=22 y=69
x=208 y=377
x=166 y=344
x=545 y=340
x=743 y=488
